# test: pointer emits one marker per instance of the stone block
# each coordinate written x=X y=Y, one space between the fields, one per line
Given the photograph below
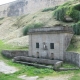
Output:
x=58 y=64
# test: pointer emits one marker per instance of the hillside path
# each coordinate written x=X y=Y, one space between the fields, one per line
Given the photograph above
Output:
x=6 y=69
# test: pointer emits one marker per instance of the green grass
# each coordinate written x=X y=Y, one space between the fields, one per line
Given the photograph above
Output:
x=23 y=69
x=28 y=27
x=4 y=46
x=75 y=77
x=74 y=48
x=68 y=65
x=31 y=70
x=49 y=9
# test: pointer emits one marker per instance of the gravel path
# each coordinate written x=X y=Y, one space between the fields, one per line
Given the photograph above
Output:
x=61 y=77
x=4 y=68
x=24 y=77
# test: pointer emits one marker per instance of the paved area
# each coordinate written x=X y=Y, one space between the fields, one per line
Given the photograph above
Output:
x=60 y=77
x=24 y=77
x=6 y=69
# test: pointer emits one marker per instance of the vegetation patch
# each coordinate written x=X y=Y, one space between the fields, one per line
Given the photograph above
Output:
x=71 y=11
x=68 y=9
x=61 y=12
x=26 y=29
x=2 y=18
x=49 y=9
x=76 y=28
x=75 y=44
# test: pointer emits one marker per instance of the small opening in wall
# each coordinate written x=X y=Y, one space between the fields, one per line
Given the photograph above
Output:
x=37 y=54
x=52 y=55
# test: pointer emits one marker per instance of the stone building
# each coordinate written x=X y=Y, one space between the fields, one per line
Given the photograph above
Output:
x=49 y=42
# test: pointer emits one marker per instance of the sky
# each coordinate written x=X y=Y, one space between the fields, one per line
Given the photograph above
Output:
x=5 y=1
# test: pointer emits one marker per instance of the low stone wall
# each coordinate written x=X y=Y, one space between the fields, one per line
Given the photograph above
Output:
x=14 y=53
x=37 y=60
x=72 y=57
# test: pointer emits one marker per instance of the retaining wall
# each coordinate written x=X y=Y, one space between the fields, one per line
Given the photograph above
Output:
x=14 y=53
x=72 y=57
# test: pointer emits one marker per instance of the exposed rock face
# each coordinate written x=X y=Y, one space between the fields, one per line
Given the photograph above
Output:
x=21 y=7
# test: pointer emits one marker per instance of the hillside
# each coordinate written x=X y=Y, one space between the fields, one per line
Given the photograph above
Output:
x=13 y=29
x=22 y=7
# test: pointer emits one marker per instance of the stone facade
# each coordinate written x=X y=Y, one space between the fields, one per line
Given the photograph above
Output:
x=49 y=42
x=21 y=7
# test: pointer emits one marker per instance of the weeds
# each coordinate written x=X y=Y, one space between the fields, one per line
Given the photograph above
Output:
x=26 y=29
x=49 y=9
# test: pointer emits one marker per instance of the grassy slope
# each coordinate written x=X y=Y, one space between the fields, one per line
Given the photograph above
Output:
x=32 y=71
x=11 y=28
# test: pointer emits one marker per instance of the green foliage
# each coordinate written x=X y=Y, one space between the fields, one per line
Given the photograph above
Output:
x=60 y=13
x=72 y=11
x=75 y=14
x=8 y=77
x=2 y=18
x=68 y=65
x=4 y=46
x=49 y=9
x=67 y=9
x=26 y=29
x=75 y=77
x=76 y=28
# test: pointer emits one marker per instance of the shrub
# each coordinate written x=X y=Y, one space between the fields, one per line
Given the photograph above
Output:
x=49 y=9
x=75 y=15
x=67 y=9
x=60 y=13
x=76 y=28
x=2 y=18
x=26 y=29
x=74 y=12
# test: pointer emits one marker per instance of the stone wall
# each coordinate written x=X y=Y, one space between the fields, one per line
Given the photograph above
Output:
x=72 y=57
x=21 y=7
x=46 y=36
x=14 y=53
x=35 y=60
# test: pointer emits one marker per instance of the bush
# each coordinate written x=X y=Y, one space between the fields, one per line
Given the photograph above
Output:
x=2 y=18
x=26 y=29
x=75 y=15
x=74 y=12
x=49 y=9
x=67 y=9
x=60 y=13
x=76 y=28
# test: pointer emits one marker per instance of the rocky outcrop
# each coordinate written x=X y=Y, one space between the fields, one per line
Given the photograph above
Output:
x=21 y=7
